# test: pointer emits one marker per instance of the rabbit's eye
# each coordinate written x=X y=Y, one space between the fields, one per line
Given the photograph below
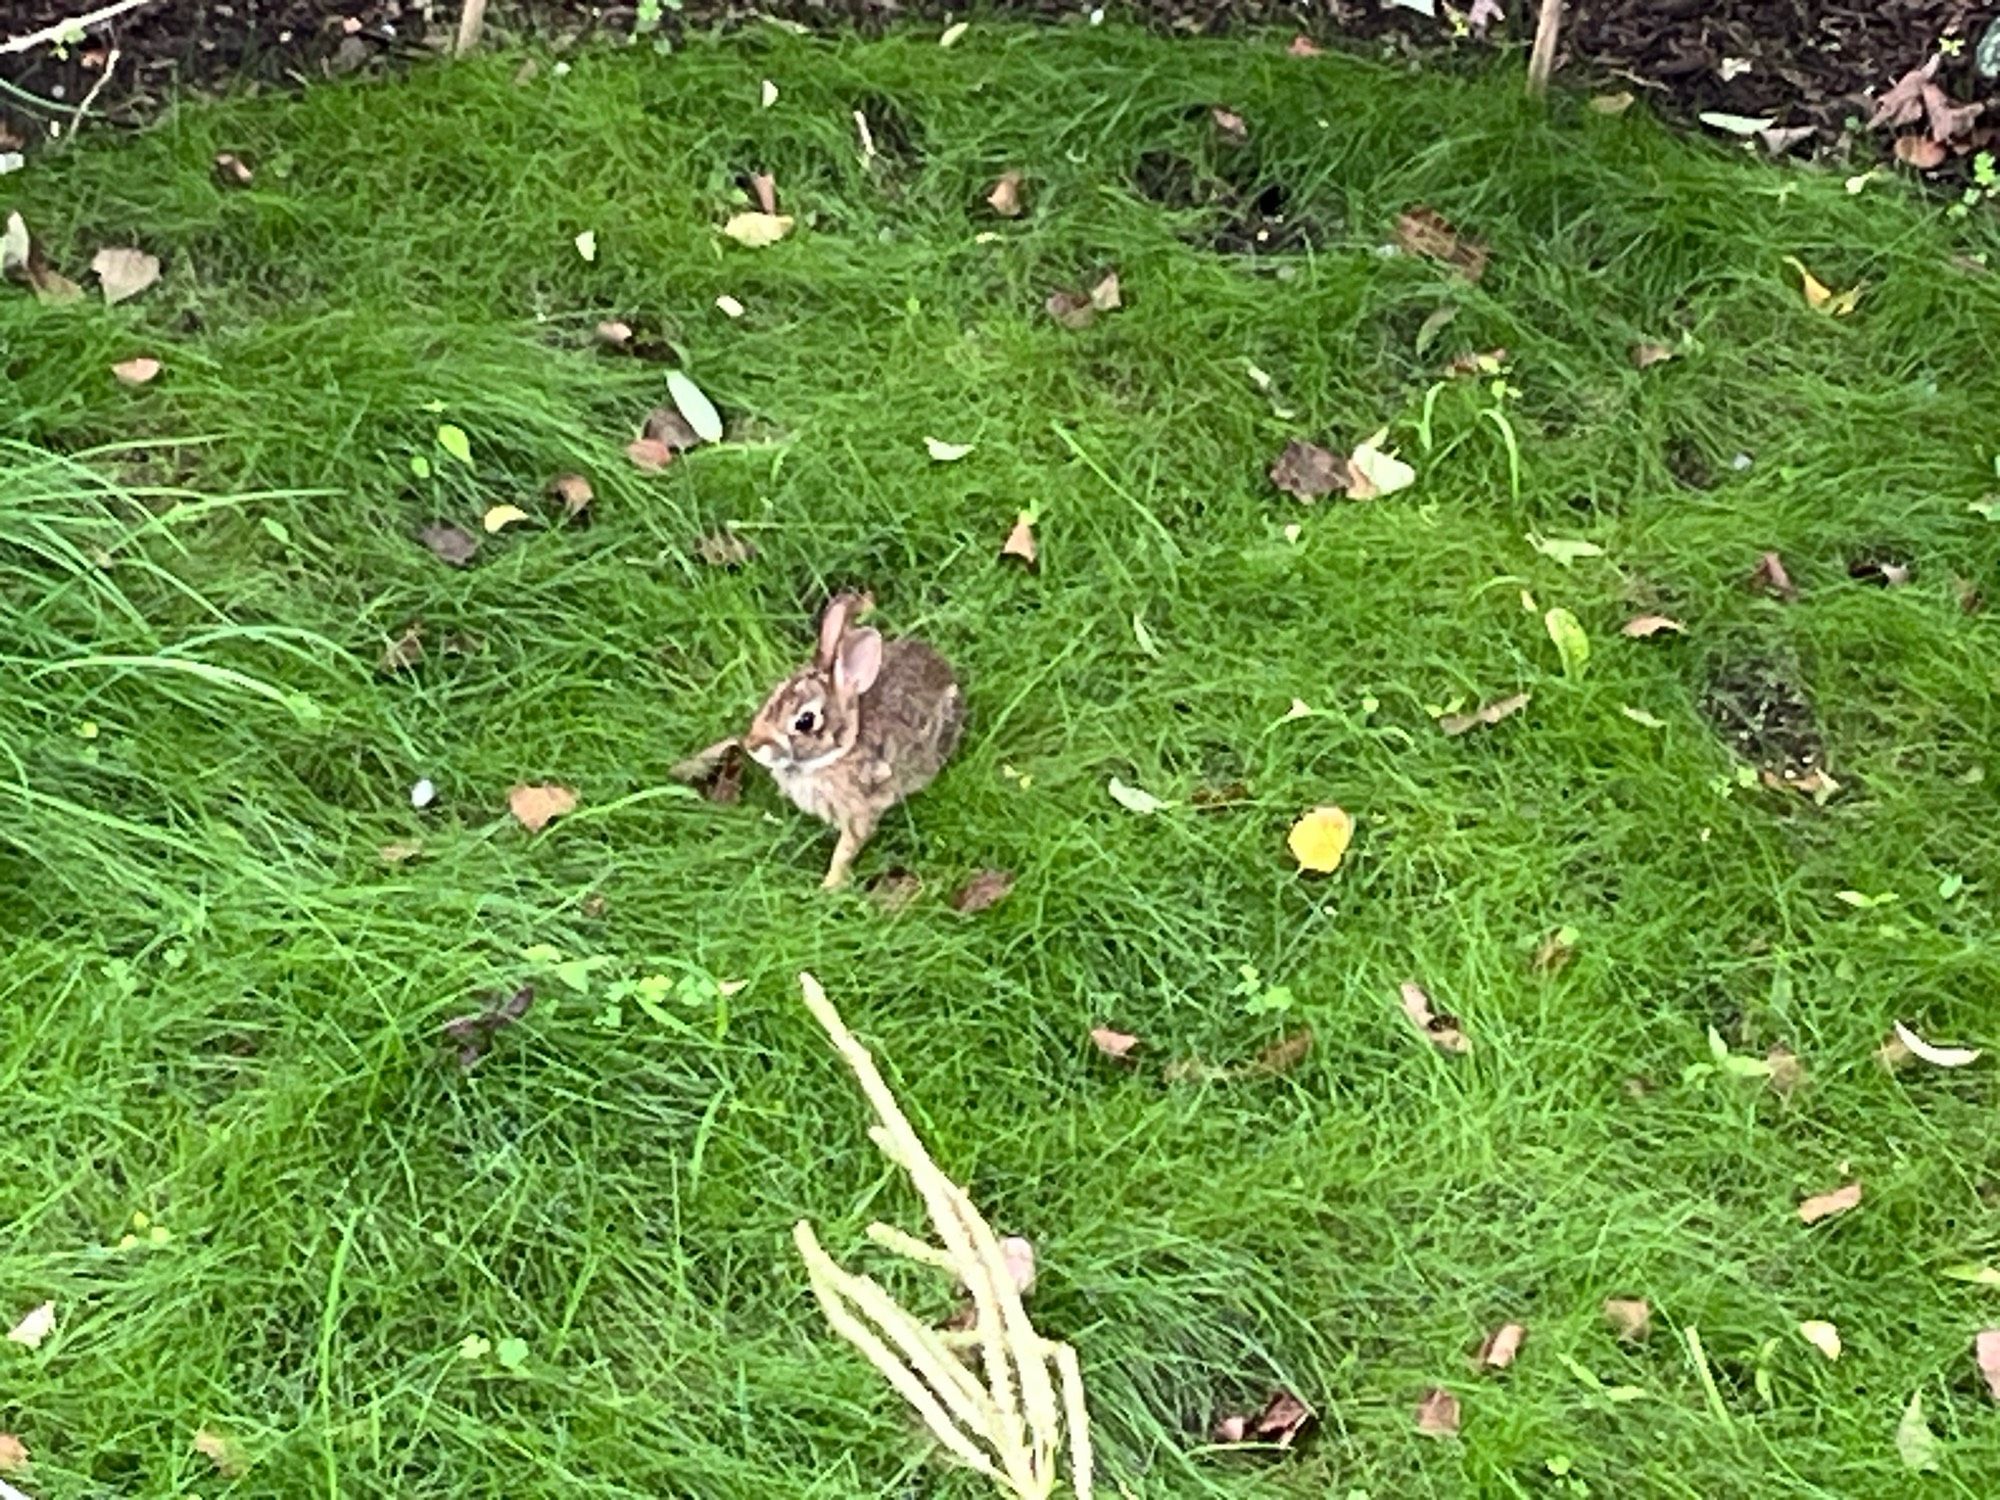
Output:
x=806 y=722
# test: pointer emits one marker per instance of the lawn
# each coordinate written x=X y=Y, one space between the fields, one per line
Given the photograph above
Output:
x=224 y=1007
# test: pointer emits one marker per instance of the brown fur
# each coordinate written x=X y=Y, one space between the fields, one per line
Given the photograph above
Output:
x=865 y=724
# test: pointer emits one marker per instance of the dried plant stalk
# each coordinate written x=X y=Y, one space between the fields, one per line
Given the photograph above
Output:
x=1542 y=56
x=1012 y=1428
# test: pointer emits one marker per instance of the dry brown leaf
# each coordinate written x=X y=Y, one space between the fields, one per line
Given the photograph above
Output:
x=136 y=371
x=13 y=1454
x=123 y=272
x=1071 y=309
x=1788 y=1074
x=1475 y=363
x=894 y=889
x=1441 y=1031
x=1554 y=951
x=1306 y=471
x=1646 y=355
x=448 y=543
x=475 y=1033
x=1498 y=1349
x=1986 y=1354
x=1640 y=627
x=1105 y=296
x=1903 y=103
x=1021 y=541
x=1827 y=1205
x=225 y=1453
x=575 y=493
x=1491 y=713
x=404 y=652
x=535 y=807
x=1116 y=1045
x=1920 y=152
x=1005 y=199
x=1229 y=125
x=665 y=424
x=724 y=549
x=987 y=888
x=1631 y=1318
x=613 y=334
x=1281 y=1422
x=399 y=854
x=1427 y=233
x=764 y=187
x=1948 y=121
x=1303 y=46
x=1770 y=576
x=1284 y=1054
x=649 y=454
x=1437 y=1413
x=231 y=170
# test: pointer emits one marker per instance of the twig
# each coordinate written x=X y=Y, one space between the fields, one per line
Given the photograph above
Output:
x=471 y=22
x=82 y=109
x=63 y=29
x=1542 y=58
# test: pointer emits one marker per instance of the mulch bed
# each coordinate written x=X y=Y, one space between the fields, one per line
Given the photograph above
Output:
x=1816 y=66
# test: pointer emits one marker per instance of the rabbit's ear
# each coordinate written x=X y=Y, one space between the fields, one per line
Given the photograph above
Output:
x=857 y=663
x=832 y=625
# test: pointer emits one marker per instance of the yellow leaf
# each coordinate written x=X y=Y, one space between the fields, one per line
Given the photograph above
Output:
x=757 y=230
x=1319 y=840
x=1820 y=297
x=1822 y=1336
x=39 y=1323
x=500 y=517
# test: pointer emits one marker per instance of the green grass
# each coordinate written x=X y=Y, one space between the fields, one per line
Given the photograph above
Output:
x=222 y=1008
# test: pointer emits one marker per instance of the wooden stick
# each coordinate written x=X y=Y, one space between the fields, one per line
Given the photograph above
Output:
x=1543 y=57
x=471 y=21
x=63 y=29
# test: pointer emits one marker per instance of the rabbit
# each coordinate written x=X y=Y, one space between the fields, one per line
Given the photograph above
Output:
x=863 y=725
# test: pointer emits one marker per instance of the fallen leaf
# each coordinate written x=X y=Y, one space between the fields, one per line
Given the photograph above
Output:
x=1916 y=1444
x=1780 y=139
x=1434 y=323
x=1640 y=716
x=1071 y=309
x=535 y=807
x=1770 y=576
x=123 y=272
x=767 y=94
x=1631 y=1318
x=1787 y=1073
x=37 y=1324
x=1499 y=1347
x=1491 y=713
x=499 y=517
x=1986 y=1354
x=953 y=32
x=666 y=426
x=1743 y=125
x=456 y=444
x=512 y=1353
x=399 y=854
x=1319 y=840
x=1106 y=295
x=728 y=306
x=1441 y=1031
x=1475 y=364
x=13 y=1454
x=403 y=653
x=1135 y=799
x=575 y=493
x=1005 y=199
x=1937 y=1057
x=475 y=1033
x=764 y=188
x=1281 y=1422
x=225 y=1453
x=1284 y=1054
x=649 y=454
x=1554 y=951
x=1437 y=1413
x=1947 y=120
x=1822 y=1336
x=1819 y=296
x=1306 y=471
x=1374 y=472
x=21 y=260
x=1426 y=232
x=231 y=170
x=757 y=230
x=1903 y=102
x=136 y=371
x=724 y=549
x=1116 y=1045
x=1021 y=540
x=1612 y=104
x=1303 y=46
x=894 y=889
x=1971 y=1271
x=1646 y=355
x=1230 y=126
x=586 y=245
x=448 y=543
x=987 y=888
x=1482 y=15
x=1564 y=550
x=613 y=334
x=1572 y=644
x=698 y=411
x=423 y=792
x=942 y=452
x=1919 y=151
x=1641 y=627
x=1827 y=1205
